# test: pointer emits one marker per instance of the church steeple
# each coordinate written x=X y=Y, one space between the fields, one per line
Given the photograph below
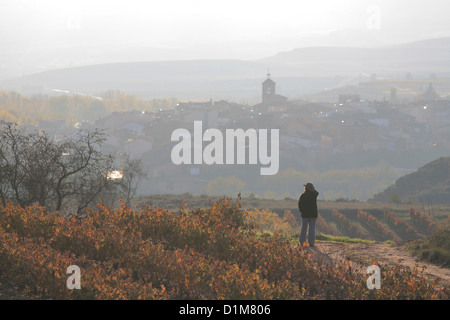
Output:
x=268 y=88
x=270 y=100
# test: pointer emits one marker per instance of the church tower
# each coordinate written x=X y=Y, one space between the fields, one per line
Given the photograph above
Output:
x=268 y=90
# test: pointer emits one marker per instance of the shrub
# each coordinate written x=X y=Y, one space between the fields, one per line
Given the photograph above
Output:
x=151 y=253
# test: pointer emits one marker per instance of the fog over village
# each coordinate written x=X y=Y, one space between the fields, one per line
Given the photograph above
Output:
x=360 y=94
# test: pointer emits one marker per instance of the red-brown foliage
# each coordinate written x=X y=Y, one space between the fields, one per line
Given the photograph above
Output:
x=152 y=253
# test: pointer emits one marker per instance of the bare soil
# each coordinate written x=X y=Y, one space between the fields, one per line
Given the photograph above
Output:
x=363 y=255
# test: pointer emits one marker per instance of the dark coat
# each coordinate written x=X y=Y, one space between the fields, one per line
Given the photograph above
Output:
x=307 y=204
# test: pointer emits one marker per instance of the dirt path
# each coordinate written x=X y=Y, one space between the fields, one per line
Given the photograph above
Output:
x=364 y=254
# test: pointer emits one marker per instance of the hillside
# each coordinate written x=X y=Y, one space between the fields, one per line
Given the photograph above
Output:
x=196 y=254
x=419 y=58
x=188 y=79
x=428 y=185
x=299 y=72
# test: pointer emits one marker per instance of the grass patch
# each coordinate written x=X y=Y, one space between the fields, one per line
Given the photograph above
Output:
x=338 y=239
x=435 y=249
x=294 y=239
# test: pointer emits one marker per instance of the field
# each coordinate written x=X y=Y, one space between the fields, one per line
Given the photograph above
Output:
x=353 y=219
x=216 y=252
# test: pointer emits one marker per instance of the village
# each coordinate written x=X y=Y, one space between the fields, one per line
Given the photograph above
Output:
x=312 y=135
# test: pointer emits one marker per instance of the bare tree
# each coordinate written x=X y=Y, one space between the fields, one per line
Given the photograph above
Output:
x=13 y=159
x=132 y=175
x=65 y=175
x=82 y=170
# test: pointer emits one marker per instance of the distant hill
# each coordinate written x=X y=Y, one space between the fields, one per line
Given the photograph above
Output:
x=148 y=76
x=419 y=58
x=429 y=185
x=298 y=72
x=189 y=79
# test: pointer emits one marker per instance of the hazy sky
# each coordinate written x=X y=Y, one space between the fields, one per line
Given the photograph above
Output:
x=243 y=29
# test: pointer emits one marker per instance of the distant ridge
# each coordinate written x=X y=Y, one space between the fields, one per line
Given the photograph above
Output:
x=306 y=70
x=184 y=79
x=430 y=184
x=419 y=58
x=146 y=78
x=428 y=46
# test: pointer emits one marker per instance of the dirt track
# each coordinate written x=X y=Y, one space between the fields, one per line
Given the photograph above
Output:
x=364 y=254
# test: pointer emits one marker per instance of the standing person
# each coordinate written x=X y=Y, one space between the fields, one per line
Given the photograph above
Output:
x=307 y=204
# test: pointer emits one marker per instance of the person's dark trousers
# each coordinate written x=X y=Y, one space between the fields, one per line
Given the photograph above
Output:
x=311 y=222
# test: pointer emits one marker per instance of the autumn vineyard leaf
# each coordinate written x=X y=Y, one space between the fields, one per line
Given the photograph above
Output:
x=152 y=253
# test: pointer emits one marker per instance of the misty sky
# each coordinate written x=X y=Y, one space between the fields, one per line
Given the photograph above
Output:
x=73 y=31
